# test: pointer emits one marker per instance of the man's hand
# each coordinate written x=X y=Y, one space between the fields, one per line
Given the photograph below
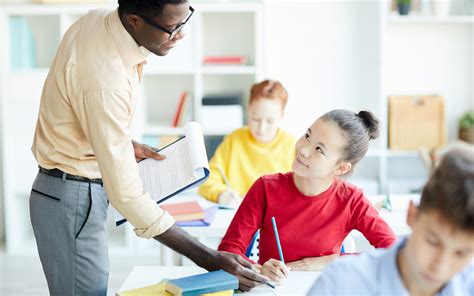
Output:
x=312 y=263
x=144 y=151
x=180 y=241
x=247 y=274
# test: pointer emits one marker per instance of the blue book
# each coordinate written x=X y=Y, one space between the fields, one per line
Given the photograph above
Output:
x=209 y=282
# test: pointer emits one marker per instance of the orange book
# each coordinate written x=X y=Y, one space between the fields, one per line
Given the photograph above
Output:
x=184 y=211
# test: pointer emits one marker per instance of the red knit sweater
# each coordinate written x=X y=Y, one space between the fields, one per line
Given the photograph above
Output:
x=308 y=226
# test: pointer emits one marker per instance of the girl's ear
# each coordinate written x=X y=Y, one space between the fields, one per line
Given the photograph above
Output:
x=343 y=168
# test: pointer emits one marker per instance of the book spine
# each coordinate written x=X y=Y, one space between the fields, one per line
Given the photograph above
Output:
x=179 y=110
x=237 y=60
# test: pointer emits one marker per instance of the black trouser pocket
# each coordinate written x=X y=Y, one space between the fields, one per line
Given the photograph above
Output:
x=46 y=195
x=89 y=195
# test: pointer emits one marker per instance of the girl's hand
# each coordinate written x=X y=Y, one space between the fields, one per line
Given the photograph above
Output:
x=229 y=198
x=312 y=263
x=275 y=270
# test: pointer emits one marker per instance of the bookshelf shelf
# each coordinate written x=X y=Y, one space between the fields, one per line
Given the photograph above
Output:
x=163 y=131
x=418 y=19
x=402 y=154
x=164 y=82
x=228 y=70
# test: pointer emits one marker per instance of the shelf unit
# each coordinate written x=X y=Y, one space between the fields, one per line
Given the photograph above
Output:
x=328 y=54
x=27 y=26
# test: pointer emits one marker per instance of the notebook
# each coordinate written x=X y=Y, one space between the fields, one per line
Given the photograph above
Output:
x=153 y=290
x=160 y=290
x=184 y=167
x=210 y=282
x=184 y=211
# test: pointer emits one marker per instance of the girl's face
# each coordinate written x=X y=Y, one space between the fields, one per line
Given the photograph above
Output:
x=319 y=152
x=264 y=119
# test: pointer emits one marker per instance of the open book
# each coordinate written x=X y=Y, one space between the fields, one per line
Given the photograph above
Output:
x=184 y=167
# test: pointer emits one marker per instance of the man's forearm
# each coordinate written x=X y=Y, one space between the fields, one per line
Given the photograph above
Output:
x=180 y=241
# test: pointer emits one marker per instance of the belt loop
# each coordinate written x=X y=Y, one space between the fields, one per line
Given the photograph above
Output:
x=64 y=176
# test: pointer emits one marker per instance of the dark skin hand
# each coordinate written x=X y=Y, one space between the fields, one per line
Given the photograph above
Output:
x=180 y=241
x=143 y=151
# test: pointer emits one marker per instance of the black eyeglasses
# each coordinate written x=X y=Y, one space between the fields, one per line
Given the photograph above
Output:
x=173 y=32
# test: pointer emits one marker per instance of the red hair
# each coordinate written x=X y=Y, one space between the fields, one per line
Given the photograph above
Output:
x=269 y=89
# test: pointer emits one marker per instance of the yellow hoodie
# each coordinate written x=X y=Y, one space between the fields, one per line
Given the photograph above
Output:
x=243 y=159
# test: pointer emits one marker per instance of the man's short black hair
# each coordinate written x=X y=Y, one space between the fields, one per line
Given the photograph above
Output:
x=150 y=8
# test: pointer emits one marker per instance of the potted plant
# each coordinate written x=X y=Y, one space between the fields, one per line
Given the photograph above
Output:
x=403 y=6
x=466 y=127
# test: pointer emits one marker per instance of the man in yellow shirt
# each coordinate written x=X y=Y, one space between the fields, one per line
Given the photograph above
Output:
x=252 y=151
x=86 y=155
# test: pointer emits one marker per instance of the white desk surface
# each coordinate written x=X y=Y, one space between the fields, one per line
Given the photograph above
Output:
x=396 y=218
x=212 y=234
x=297 y=283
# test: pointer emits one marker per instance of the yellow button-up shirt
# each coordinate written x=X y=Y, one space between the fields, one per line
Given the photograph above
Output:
x=86 y=108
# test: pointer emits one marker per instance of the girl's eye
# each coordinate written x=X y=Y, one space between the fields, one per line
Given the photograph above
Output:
x=306 y=136
x=319 y=150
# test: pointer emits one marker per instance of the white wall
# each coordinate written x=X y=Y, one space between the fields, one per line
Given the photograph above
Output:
x=327 y=55
x=2 y=221
x=436 y=63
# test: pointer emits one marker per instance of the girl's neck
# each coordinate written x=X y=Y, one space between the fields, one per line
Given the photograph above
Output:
x=312 y=187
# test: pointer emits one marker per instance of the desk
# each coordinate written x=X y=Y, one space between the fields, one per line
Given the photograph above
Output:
x=211 y=235
x=297 y=283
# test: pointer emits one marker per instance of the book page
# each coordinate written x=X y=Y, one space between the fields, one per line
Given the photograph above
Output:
x=161 y=178
x=184 y=167
x=185 y=162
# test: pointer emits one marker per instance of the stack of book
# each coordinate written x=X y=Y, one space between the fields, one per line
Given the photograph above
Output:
x=214 y=283
x=190 y=213
x=184 y=211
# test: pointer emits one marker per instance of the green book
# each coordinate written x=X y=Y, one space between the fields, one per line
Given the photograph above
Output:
x=209 y=282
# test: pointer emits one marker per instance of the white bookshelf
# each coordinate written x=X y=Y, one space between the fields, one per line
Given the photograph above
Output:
x=329 y=54
x=163 y=82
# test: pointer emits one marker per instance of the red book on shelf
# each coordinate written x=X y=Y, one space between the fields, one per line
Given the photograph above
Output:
x=184 y=211
x=179 y=110
x=234 y=60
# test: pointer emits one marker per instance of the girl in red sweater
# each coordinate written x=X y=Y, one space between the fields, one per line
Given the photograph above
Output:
x=314 y=209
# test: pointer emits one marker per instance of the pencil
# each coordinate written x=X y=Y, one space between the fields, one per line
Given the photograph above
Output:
x=224 y=177
x=277 y=239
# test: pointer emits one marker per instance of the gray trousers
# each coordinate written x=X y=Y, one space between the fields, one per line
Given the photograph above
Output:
x=69 y=223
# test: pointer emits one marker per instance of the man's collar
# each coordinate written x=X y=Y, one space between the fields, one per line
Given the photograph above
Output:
x=129 y=51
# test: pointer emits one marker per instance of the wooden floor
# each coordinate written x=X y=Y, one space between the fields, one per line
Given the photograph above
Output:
x=23 y=275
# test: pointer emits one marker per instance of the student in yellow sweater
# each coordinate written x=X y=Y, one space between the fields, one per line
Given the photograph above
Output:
x=254 y=150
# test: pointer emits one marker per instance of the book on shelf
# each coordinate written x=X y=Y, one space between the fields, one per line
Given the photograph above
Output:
x=22 y=43
x=185 y=166
x=233 y=98
x=209 y=282
x=225 y=60
x=184 y=211
x=180 y=110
